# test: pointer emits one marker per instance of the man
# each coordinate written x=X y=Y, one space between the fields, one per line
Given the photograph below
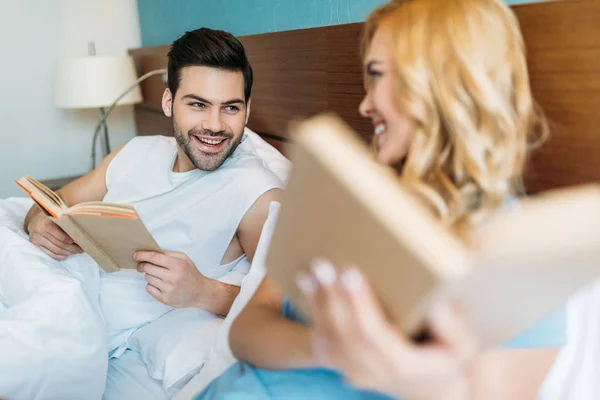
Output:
x=204 y=195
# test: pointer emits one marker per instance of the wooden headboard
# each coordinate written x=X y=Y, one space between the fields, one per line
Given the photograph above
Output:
x=303 y=72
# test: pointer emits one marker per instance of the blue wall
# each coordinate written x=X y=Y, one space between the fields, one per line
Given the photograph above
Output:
x=163 y=21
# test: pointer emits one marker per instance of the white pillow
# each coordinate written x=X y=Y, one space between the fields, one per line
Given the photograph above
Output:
x=274 y=160
x=220 y=356
x=176 y=345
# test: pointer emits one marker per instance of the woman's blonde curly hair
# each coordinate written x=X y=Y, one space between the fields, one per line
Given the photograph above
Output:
x=462 y=77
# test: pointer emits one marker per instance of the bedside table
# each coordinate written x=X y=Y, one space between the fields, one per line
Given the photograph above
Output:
x=55 y=184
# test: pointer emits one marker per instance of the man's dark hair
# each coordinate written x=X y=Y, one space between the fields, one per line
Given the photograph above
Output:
x=208 y=48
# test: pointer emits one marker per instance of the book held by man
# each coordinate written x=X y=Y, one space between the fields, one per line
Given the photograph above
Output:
x=340 y=204
x=110 y=233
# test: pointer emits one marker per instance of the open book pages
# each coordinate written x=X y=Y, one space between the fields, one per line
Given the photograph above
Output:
x=109 y=233
x=43 y=196
x=56 y=207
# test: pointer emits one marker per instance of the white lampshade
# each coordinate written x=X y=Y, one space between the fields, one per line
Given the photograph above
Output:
x=94 y=82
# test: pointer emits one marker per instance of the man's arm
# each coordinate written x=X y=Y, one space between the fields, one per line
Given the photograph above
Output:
x=252 y=224
x=47 y=235
x=222 y=294
x=173 y=278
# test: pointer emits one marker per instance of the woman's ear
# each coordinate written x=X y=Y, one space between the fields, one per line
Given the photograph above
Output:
x=167 y=103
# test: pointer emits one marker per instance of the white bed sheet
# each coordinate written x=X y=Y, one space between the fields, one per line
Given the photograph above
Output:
x=128 y=378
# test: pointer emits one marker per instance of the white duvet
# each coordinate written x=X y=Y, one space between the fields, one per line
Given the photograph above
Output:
x=52 y=336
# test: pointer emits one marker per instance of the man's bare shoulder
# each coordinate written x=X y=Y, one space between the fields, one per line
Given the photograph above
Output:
x=252 y=223
x=90 y=187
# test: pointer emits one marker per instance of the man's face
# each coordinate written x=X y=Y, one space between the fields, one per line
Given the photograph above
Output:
x=209 y=114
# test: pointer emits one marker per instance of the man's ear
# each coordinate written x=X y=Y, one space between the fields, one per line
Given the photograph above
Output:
x=248 y=110
x=167 y=103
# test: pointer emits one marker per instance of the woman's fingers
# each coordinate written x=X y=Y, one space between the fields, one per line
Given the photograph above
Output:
x=449 y=326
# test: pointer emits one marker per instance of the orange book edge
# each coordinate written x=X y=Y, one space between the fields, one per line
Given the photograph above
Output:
x=88 y=214
x=37 y=200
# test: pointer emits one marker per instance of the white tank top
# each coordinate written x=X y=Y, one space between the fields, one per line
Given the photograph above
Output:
x=195 y=212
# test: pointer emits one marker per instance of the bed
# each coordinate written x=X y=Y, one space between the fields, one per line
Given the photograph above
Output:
x=303 y=72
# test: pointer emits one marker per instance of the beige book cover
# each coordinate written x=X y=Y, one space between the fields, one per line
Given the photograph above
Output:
x=109 y=233
x=342 y=205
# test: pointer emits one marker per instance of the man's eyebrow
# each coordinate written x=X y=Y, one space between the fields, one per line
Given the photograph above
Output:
x=234 y=101
x=198 y=98
x=203 y=100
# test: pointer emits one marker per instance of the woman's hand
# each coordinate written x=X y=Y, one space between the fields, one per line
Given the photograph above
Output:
x=351 y=334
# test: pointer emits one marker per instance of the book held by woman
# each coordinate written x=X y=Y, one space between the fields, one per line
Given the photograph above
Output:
x=342 y=205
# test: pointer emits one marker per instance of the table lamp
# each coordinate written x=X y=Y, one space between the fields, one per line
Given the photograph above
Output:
x=102 y=82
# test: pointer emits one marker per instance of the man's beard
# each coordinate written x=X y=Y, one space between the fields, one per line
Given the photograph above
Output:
x=200 y=159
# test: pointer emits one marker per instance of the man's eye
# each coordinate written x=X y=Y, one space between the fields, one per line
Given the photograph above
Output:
x=198 y=105
x=232 y=109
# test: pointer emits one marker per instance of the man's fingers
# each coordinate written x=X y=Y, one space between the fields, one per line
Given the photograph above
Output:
x=76 y=248
x=154 y=281
x=155 y=292
x=57 y=257
x=71 y=248
x=44 y=237
x=152 y=257
x=57 y=233
x=57 y=236
x=55 y=247
x=47 y=243
x=151 y=269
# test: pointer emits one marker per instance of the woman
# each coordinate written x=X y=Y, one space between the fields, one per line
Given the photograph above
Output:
x=448 y=94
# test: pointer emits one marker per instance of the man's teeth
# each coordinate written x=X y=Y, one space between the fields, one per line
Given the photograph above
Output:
x=211 y=142
x=379 y=129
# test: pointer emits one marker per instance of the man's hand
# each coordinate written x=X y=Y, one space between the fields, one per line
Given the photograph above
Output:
x=172 y=278
x=48 y=236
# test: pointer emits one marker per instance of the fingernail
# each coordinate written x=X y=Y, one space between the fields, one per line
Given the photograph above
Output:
x=351 y=279
x=306 y=284
x=324 y=273
x=135 y=256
